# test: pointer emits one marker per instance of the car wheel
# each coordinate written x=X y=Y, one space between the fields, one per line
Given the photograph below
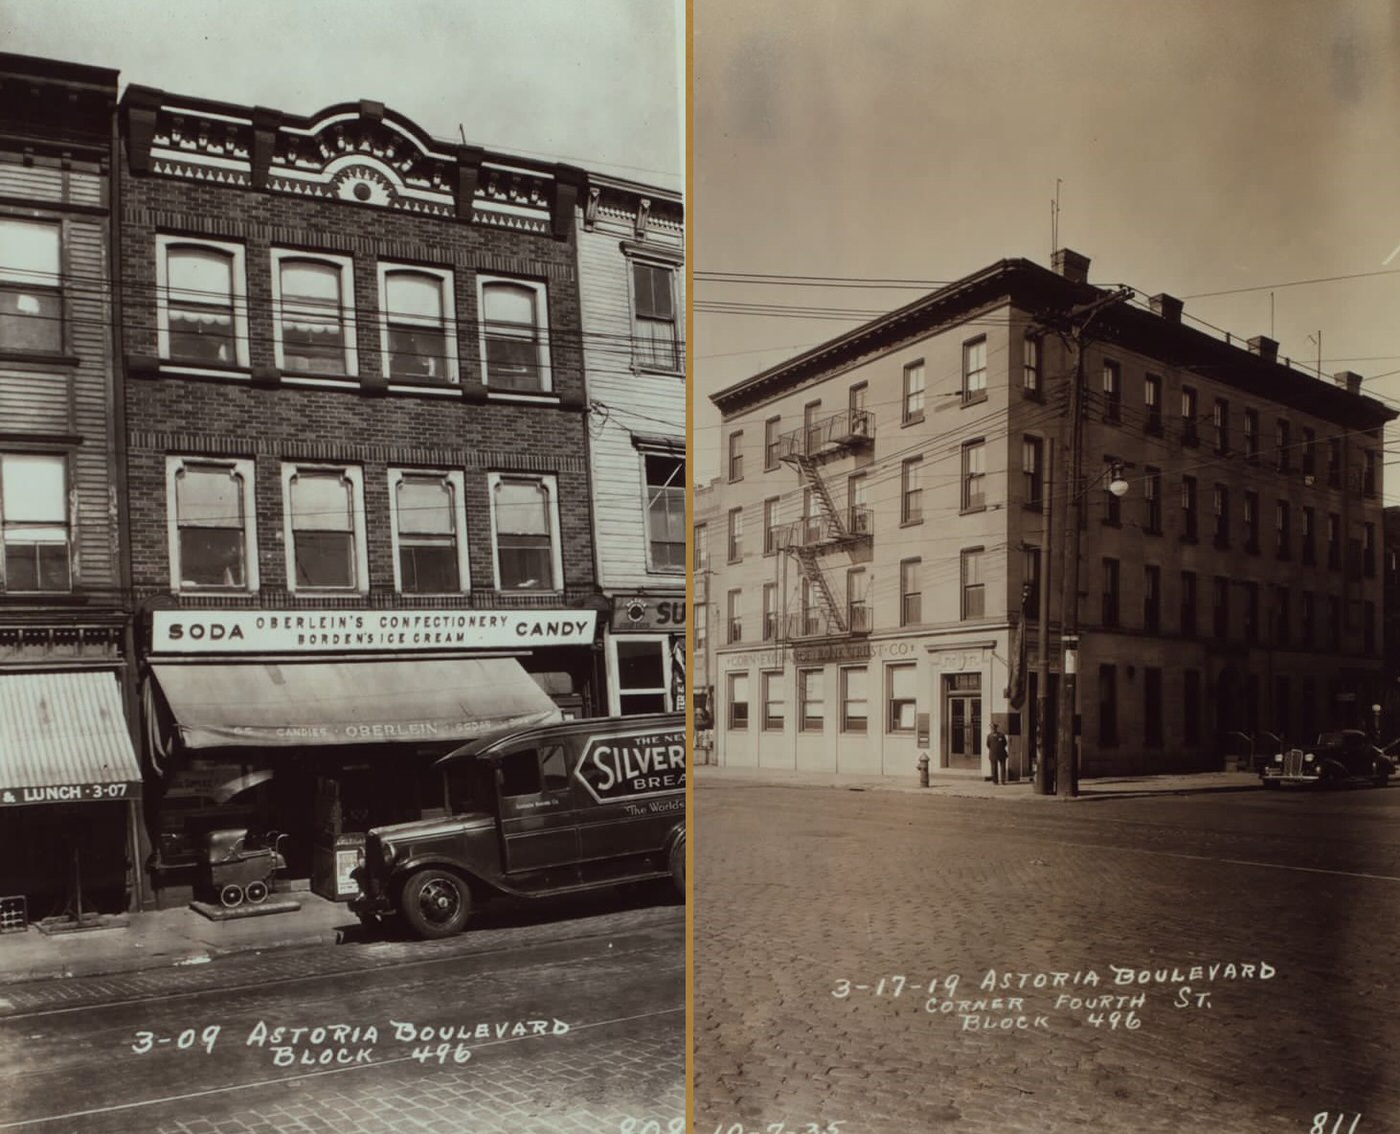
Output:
x=436 y=903
x=676 y=862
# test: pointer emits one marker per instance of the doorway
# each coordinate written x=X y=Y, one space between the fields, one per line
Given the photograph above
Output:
x=962 y=714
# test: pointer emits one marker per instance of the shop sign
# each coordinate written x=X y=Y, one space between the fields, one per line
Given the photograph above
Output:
x=617 y=769
x=818 y=653
x=68 y=793
x=365 y=631
x=636 y=613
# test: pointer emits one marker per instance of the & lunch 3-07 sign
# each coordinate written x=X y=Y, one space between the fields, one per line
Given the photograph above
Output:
x=369 y=631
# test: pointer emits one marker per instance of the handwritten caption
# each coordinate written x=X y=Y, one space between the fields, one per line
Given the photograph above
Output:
x=1319 y=1123
x=1029 y=1001
x=833 y=1127
x=348 y=1044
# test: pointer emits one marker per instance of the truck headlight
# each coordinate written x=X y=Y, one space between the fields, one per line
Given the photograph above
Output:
x=1309 y=758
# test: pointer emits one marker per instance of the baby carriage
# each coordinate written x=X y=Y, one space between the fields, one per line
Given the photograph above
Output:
x=239 y=866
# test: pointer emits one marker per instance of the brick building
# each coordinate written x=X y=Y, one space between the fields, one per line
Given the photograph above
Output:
x=882 y=508
x=631 y=251
x=358 y=473
x=69 y=780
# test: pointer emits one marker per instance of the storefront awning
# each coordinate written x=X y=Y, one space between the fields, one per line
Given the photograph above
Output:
x=64 y=739
x=295 y=704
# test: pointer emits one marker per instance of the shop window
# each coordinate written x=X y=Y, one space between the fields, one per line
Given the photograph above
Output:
x=202 y=302
x=325 y=532
x=642 y=666
x=665 y=510
x=31 y=294
x=774 y=700
x=418 y=336
x=811 y=700
x=901 y=699
x=314 y=303
x=525 y=525
x=429 y=525
x=855 y=710
x=34 y=519
x=213 y=541
x=514 y=336
x=738 y=698
x=654 y=339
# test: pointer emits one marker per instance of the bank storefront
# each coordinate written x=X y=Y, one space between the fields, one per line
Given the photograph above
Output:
x=320 y=724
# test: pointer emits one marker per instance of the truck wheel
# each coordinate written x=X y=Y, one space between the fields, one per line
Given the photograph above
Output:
x=676 y=862
x=436 y=903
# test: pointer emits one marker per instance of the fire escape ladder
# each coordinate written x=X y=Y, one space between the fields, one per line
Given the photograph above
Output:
x=812 y=479
x=812 y=572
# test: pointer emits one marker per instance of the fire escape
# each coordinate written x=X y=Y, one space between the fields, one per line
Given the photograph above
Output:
x=825 y=527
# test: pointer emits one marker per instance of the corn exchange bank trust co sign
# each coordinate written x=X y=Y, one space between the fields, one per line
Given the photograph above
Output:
x=365 y=631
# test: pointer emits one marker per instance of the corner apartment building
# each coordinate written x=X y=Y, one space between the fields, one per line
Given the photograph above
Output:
x=69 y=780
x=883 y=521
x=631 y=254
x=358 y=472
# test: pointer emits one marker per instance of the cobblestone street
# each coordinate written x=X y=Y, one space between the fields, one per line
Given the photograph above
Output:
x=572 y=1027
x=828 y=924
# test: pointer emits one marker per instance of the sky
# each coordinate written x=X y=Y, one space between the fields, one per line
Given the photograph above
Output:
x=596 y=84
x=1199 y=147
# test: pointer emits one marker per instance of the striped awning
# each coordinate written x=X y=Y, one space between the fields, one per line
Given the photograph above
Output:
x=64 y=739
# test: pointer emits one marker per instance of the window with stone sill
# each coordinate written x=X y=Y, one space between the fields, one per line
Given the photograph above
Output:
x=313 y=298
x=418 y=336
x=35 y=551
x=429 y=531
x=201 y=302
x=525 y=529
x=325 y=528
x=514 y=336
x=213 y=538
x=31 y=292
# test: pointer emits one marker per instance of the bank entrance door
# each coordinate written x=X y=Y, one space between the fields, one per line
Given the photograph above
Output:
x=962 y=715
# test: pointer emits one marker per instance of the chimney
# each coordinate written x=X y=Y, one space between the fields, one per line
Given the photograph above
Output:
x=1071 y=265
x=1348 y=380
x=1264 y=347
x=1167 y=306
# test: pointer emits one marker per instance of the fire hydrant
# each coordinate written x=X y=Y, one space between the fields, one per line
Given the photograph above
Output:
x=923 y=769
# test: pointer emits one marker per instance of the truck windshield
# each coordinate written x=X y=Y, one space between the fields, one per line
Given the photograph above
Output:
x=470 y=786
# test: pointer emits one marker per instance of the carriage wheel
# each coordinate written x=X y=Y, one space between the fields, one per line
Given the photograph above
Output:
x=231 y=895
x=256 y=892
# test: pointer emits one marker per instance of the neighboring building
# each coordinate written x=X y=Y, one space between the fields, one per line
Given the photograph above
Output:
x=631 y=249
x=705 y=516
x=881 y=527
x=1390 y=618
x=358 y=472
x=64 y=738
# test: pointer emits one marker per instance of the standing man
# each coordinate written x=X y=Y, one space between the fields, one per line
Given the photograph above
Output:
x=996 y=749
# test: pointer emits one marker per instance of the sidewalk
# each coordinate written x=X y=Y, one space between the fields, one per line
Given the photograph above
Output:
x=973 y=787
x=157 y=938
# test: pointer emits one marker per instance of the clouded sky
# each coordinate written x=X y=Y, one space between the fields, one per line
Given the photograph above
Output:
x=1201 y=146
x=595 y=84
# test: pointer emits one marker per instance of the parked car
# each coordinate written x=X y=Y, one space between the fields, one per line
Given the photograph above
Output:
x=1338 y=758
x=556 y=809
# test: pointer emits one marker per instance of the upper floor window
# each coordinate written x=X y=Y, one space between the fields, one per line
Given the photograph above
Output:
x=202 y=302
x=701 y=560
x=736 y=534
x=974 y=588
x=1334 y=462
x=1030 y=366
x=1112 y=391
x=736 y=455
x=1221 y=421
x=31 y=300
x=1152 y=402
x=418 y=338
x=1251 y=435
x=974 y=476
x=313 y=299
x=1368 y=472
x=911 y=496
x=1033 y=469
x=35 y=554
x=1188 y=415
x=911 y=595
x=1309 y=452
x=525 y=527
x=429 y=525
x=770 y=443
x=325 y=528
x=1188 y=508
x=1152 y=500
x=213 y=536
x=654 y=337
x=514 y=331
x=913 y=393
x=1282 y=444
x=974 y=380
x=665 y=503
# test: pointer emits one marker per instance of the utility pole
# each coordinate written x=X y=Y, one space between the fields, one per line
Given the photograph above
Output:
x=1042 y=674
x=1075 y=336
